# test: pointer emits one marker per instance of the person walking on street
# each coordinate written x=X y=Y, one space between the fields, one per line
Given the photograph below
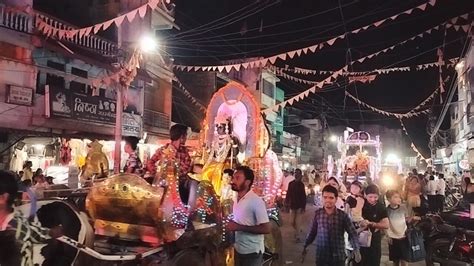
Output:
x=133 y=164
x=398 y=219
x=328 y=227
x=250 y=222
x=296 y=200
x=376 y=219
x=431 y=193
x=440 y=192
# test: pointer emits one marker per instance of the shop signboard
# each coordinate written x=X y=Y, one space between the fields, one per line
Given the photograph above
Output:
x=19 y=95
x=131 y=125
x=63 y=103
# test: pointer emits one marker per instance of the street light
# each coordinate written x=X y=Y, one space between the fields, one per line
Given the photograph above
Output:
x=127 y=74
x=148 y=44
x=333 y=138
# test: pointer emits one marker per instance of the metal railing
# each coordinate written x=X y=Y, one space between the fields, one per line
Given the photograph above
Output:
x=19 y=21
x=15 y=20
x=156 y=119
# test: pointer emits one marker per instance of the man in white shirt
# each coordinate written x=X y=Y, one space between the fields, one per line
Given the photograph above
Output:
x=250 y=220
x=440 y=192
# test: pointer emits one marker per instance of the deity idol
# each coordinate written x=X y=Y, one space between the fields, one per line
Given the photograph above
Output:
x=223 y=150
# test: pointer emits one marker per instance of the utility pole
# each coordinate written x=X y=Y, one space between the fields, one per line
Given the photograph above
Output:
x=118 y=130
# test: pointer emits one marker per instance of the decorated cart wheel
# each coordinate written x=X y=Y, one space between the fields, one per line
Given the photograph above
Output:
x=273 y=245
x=190 y=257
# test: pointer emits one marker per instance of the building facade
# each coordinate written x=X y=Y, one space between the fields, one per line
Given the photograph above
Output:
x=53 y=92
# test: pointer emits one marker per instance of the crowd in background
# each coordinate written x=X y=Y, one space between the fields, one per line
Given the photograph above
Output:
x=372 y=205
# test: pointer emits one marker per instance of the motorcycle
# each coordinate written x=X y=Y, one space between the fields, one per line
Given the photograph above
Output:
x=446 y=244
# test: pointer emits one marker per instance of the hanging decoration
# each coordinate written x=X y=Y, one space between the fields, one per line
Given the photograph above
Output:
x=50 y=28
x=304 y=71
x=339 y=72
x=412 y=145
x=362 y=79
x=413 y=112
x=191 y=97
x=298 y=52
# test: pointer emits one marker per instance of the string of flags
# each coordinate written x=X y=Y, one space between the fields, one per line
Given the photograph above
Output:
x=339 y=72
x=298 y=52
x=412 y=145
x=305 y=71
x=51 y=28
x=191 y=97
x=413 y=112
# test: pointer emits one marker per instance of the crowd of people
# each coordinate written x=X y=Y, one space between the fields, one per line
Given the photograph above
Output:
x=347 y=213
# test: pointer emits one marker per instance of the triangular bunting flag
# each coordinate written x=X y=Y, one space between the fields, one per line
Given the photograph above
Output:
x=457 y=27
x=131 y=15
x=422 y=7
x=282 y=56
x=313 y=48
x=189 y=68
x=290 y=101
x=153 y=4
x=306 y=93
x=432 y=2
x=118 y=21
x=228 y=68
x=408 y=11
x=205 y=68
x=245 y=65
x=107 y=24
x=264 y=62
x=465 y=28
x=305 y=50
x=465 y=16
x=142 y=11
x=87 y=31
x=394 y=17
x=220 y=68
x=197 y=68
x=97 y=28
x=448 y=26
x=273 y=59
x=331 y=42
x=214 y=68
x=61 y=34
x=356 y=31
x=365 y=27
x=237 y=66
x=376 y=24
x=298 y=52
x=312 y=90
x=454 y=20
x=291 y=54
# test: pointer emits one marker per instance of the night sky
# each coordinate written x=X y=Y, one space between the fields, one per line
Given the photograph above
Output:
x=265 y=28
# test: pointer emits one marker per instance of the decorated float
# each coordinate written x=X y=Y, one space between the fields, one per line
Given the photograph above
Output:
x=360 y=153
x=136 y=223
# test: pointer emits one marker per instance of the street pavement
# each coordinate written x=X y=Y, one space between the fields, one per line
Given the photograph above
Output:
x=292 y=251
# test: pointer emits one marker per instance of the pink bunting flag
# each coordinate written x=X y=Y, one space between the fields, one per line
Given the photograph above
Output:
x=264 y=62
x=131 y=15
x=376 y=24
x=422 y=7
x=291 y=54
x=298 y=52
x=107 y=24
x=454 y=20
x=290 y=101
x=245 y=65
x=189 y=68
x=273 y=59
x=432 y=2
x=312 y=89
x=228 y=68
x=214 y=68
x=331 y=42
x=305 y=50
x=408 y=11
x=282 y=56
x=142 y=11
x=457 y=27
x=356 y=31
x=465 y=16
x=97 y=28
x=313 y=48
x=88 y=31
x=153 y=4
x=220 y=68
x=197 y=68
x=118 y=21
x=465 y=28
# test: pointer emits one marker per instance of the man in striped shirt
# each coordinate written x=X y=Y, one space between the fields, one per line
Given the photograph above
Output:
x=16 y=232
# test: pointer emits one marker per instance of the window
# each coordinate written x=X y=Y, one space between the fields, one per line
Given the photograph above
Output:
x=55 y=81
x=268 y=88
x=77 y=87
x=79 y=72
x=57 y=66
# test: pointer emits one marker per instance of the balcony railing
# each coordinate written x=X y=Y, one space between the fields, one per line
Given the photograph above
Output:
x=156 y=119
x=22 y=22
x=15 y=20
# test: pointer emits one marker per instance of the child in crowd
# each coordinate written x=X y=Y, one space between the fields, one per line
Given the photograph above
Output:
x=355 y=202
x=398 y=219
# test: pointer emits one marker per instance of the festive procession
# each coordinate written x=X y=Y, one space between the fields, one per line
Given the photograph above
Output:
x=221 y=133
